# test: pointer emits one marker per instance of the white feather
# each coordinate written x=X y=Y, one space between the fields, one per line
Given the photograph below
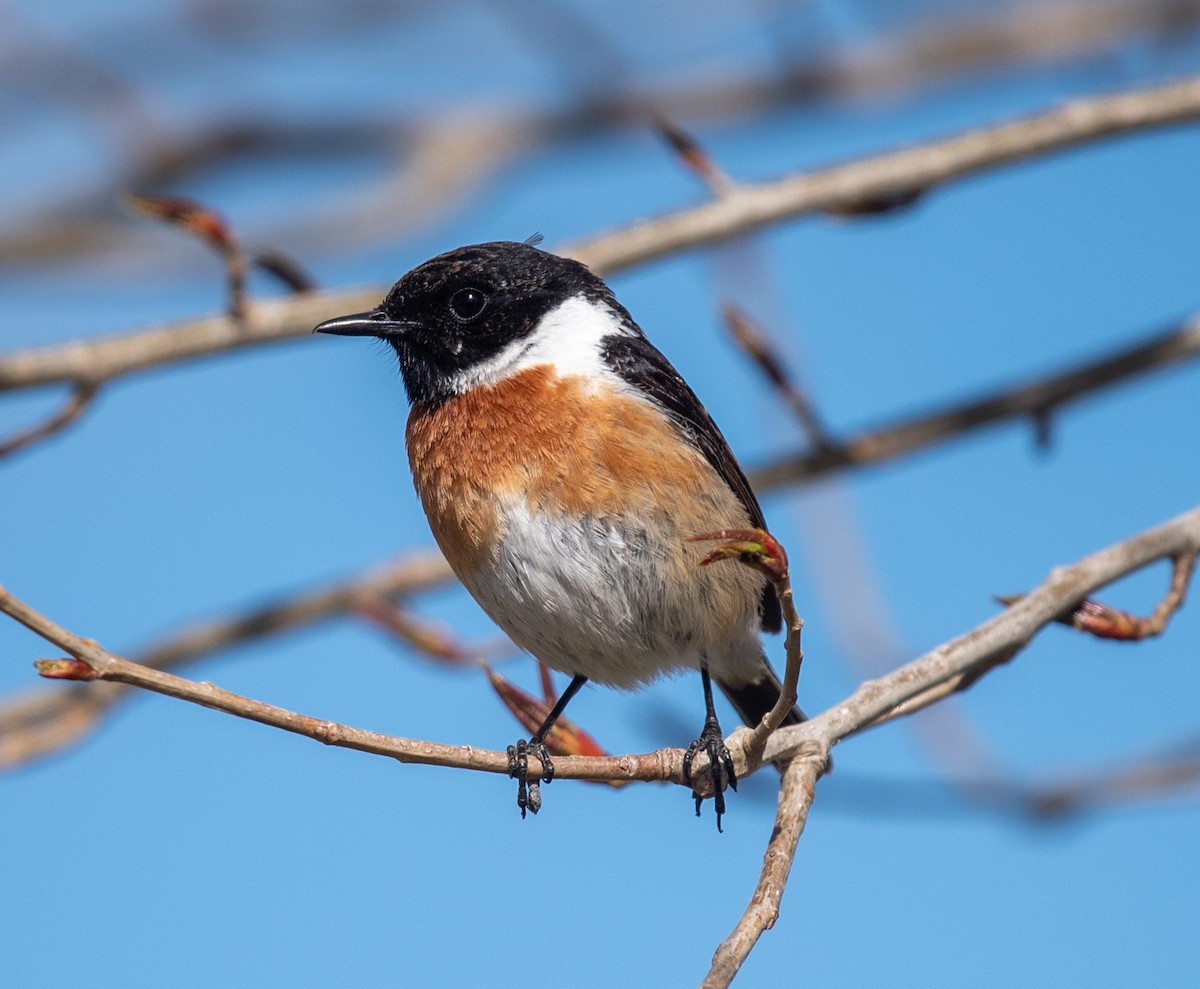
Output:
x=595 y=596
x=567 y=339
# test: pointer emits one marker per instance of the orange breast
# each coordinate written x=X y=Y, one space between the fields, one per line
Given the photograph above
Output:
x=558 y=443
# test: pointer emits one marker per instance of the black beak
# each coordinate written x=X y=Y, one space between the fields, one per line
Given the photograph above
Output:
x=362 y=324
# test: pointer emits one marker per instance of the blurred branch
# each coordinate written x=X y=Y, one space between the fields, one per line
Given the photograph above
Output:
x=755 y=343
x=743 y=208
x=1037 y=400
x=81 y=397
x=44 y=721
x=889 y=177
x=427 y=167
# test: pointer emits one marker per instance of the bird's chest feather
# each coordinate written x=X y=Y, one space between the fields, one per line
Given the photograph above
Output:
x=563 y=503
x=544 y=445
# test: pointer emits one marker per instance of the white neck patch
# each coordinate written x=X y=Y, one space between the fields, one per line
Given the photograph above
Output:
x=567 y=339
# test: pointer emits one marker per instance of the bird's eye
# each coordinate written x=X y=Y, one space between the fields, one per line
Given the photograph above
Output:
x=467 y=303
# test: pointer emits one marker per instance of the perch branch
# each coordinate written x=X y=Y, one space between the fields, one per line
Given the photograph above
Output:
x=42 y=721
x=968 y=654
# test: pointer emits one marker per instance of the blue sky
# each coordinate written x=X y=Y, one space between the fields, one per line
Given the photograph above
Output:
x=180 y=845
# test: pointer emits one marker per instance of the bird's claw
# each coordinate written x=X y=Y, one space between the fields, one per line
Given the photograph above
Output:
x=720 y=766
x=529 y=791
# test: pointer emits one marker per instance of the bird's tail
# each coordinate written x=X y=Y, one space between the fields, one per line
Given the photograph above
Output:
x=754 y=698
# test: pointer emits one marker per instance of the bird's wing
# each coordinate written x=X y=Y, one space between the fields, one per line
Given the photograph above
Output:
x=636 y=360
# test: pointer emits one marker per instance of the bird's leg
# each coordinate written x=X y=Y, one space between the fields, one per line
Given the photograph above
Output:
x=529 y=792
x=712 y=743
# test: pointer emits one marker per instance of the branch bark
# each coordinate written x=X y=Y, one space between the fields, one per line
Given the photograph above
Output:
x=805 y=746
x=44 y=721
x=842 y=189
x=1037 y=400
x=797 y=789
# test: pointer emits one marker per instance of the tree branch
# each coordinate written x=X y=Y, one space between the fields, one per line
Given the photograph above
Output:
x=82 y=396
x=977 y=650
x=1036 y=400
x=796 y=792
x=890 y=177
x=996 y=640
x=807 y=745
x=44 y=721
x=842 y=188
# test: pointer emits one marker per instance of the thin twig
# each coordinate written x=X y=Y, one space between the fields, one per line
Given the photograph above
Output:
x=81 y=397
x=1106 y=622
x=44 y=721
x=93 y=662
x=748 y=335
x=967 y=654
x=1039 y=397
x=758 y=549
x=1182 y=569
x=796 y=792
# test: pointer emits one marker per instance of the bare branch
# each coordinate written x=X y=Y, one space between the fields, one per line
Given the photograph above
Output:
x=966 y=655
x=743 y=208
x=886 y=177
x=985 y=646
x=438 y=163
x=1106 y=622
x=105 y=358
x=752 y=339
x=93 y=662
x=1038 y=398
x=796 y=793
x=42 y=721
x=72 y=409
x=32 y=726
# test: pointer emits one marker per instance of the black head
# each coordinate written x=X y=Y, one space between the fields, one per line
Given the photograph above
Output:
x=456 y=312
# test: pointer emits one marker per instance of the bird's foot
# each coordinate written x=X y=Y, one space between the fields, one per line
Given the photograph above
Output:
x=720 y=766
x=529 y=791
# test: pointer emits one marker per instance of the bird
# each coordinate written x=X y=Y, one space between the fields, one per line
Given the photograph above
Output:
x=564 y=466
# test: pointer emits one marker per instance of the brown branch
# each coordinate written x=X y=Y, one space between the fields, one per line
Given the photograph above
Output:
x=1157 y=779
x=984 y=647
x=1106 y=622
x=93 y=662
x=1182 y=569
x=796 y=792
x=81 y=397
x=968 y=654
x=1039 y=397
x=744 y=208
x=808 y=744
x=758 y=549
x=152 y=153
x=891 y=176
x=755 y=343
x=44 y=721
x=102 y=359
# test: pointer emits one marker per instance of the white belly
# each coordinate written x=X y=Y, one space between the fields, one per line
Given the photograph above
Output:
x=620 y=601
